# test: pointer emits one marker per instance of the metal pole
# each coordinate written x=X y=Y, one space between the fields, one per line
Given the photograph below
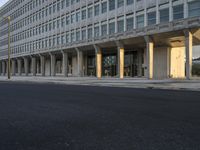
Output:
x=8 y=47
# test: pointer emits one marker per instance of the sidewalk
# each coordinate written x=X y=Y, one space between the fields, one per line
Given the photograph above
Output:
x=193 y=85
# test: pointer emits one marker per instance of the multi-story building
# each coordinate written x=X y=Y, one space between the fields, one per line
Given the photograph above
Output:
x=118 y=38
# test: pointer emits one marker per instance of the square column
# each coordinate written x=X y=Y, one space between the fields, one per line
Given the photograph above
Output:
x=42 y=63
x=149 y=56
x=65 y=64
x=53 y=64
x=13 y=67
x=188 y=49
x=120 y=62
x=19 y=65
x=80 y=62
x=26 y=66
x=3 y=68
x=98 y=62
x=33 y=63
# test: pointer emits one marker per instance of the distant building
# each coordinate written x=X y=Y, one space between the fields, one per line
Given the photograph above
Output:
x=117 y=38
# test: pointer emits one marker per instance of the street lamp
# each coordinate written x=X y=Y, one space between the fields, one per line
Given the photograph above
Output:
x=8 y=18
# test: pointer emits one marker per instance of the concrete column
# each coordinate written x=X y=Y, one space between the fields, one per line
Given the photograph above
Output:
x=26 y=66
x=65 y=64
x=98 y=61
x=19 y=65
x=42 y=63
x=188 y=48
x=3 y=68
x=149 y=56
x=33 y=63
x=13 y=67
x=120 y=62
x=53 y=64
x=79 y=62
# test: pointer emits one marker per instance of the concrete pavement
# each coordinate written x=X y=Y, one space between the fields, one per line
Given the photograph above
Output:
x=193 y=84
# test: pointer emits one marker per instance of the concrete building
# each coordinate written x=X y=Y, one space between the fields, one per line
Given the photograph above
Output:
x=117 y=38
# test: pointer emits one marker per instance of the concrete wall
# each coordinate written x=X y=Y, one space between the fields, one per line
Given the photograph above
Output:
x=177 y=62
x=161 y=63
x=169 y=63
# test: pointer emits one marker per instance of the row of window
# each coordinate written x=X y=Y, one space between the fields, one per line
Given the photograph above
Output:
x=11 y=6
x=61 y=4
x=76 y=16
x=178 y=13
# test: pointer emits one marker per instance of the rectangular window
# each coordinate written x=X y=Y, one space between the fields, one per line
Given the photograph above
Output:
x=96 y=31
x=90 y=12
x=90 y=33
x=62 y=22
x=178 y=12
x=111 y=5
x=67 y=38
x=112 y=28
x=67 y=3
x=151 y=18
x=67 y=20
x=72 y=37
x=164 y=15
x=58 y=40
x=120 y=26
x=129 y=24
x=73 y=18
x=96 y=10
x=78 y=16
x=77 y=35
x=58 y=23
x=129 y=2
x=62 y=39
x=140 y=21
x=194 y=8
x=104 y=7
x=120 y=3
x=83 y=14
x=83 y=34
x=104 y=29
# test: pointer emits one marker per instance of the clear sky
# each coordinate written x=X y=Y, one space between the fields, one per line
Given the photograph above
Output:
x=2 y=2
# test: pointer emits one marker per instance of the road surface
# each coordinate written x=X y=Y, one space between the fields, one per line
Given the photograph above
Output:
x=37 y=116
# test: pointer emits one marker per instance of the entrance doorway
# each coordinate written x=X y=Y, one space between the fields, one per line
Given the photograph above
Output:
x=91 y=66
x=131 y=64
x=109 y=65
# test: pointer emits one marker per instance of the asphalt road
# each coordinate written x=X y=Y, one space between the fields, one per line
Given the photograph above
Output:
x=62 y=117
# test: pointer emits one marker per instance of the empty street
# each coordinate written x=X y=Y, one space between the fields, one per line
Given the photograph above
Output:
x=65 y=117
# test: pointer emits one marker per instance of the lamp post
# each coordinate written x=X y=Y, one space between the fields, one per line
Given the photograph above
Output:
x=8 y=67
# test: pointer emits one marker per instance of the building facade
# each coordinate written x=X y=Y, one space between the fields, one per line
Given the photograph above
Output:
x=115 y=38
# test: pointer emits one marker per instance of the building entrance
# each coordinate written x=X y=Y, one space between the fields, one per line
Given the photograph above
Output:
x=131 y=64
x=109 y=65
x=91 y=66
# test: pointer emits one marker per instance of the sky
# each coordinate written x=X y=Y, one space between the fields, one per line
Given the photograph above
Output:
x=2 y=2
x=196 y=50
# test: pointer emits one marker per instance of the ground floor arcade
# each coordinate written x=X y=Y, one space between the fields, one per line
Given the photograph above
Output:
x=146 y=56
